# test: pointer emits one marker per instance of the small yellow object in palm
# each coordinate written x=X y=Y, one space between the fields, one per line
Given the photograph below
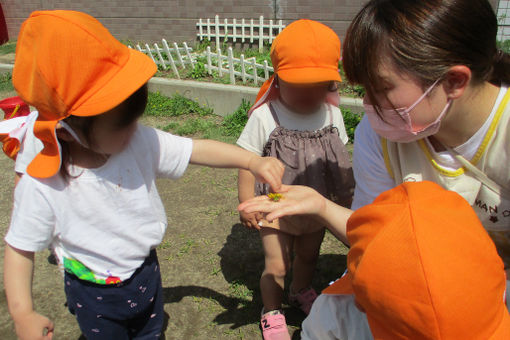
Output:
x=275 y=197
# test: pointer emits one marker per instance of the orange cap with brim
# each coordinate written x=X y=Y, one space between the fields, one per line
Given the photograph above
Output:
x=67 y=63
x=305 y=52
x=422 y=266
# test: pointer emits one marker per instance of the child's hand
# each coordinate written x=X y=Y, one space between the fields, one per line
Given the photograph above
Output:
x=33 y=326
x=296 y=200
x=250 y=220
x=267 y=170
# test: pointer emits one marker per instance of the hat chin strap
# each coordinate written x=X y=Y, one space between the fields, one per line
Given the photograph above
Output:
x=73 y=134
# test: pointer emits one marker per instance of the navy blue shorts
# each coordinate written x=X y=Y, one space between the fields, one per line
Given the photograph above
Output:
x=132 y=309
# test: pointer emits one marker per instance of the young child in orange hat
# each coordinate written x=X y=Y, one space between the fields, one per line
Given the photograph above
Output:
x=420 y=266
x=297 y=120
x=90 y=193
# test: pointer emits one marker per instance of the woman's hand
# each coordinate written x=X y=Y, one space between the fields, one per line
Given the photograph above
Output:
x=267 y=170
x=33 y=326
x=296 y=200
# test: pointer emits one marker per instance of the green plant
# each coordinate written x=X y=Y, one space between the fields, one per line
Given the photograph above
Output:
x=504 y=45
x=202 y=45
x=159 y=105
x=234 y=123
x=197 y=72
x=351 y=121
x=6 y=82
x=8 y=47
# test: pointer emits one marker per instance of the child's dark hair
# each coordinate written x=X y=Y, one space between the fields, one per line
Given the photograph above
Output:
x=424 y=39
x=131 y=109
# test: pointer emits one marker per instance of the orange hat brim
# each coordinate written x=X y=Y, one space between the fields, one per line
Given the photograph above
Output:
x=135 y=73
x=503 y=330
x=342 y=286
x=309 y=75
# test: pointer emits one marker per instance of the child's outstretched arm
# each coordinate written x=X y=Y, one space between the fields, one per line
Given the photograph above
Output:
x=221 y=155
x=18 y=273
x=301 y=200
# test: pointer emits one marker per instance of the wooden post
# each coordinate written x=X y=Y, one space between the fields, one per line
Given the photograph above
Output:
x=217 y=30
x=220 y=63
x=200 y=30
x=150 y=53
x=170 y=58
x=231 y=66
x=261 y=34
x=188 y=54
x=209 y=29
x=251 y=31
x=255 y=75
x=243 y=69
x=160 y=57
x=209 y=61
x=234 y=31
x=243 y=24
x=179 y=56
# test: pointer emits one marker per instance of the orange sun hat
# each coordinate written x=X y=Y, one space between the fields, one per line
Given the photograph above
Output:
x=67 y=63
x=305 y=52
x=422 y=266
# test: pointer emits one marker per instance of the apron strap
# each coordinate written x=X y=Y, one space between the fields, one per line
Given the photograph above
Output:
x=480 y=175
x=273 y=113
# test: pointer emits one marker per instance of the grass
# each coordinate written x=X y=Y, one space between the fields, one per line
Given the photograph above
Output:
x=8 y=47
x=6 y=82
x=199 y=121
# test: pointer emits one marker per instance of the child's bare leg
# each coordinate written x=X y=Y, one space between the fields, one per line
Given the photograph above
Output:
x=277 y=250
x=306 y=248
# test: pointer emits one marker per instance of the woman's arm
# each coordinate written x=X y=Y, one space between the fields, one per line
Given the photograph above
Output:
x=221 y=155
x=301 y=200
x=18 y=273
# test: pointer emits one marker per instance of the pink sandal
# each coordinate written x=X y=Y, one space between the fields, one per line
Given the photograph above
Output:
x=274 y=326
x=304 y=299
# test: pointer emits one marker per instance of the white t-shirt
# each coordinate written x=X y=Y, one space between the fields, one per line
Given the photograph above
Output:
x=370 y=172
x=108 y=218
x=261 y=123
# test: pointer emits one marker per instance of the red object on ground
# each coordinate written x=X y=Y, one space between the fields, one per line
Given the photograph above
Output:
x=8 y=105
x=4 y=35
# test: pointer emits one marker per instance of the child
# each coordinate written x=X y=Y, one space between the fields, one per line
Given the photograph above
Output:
x=90 y=193
x=438 y=63
x=421 y=266
x=296 y=119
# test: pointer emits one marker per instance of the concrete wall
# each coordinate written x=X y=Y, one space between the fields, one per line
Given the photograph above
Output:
x=175 y=20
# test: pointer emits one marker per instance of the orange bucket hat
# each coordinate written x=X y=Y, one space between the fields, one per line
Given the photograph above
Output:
x=422 y=266
x=67 y=63
x=305 y=52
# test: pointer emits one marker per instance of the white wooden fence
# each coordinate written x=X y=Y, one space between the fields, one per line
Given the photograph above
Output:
x=180 y=58
x=243 y=68
x=239 y=30
x=165 y=55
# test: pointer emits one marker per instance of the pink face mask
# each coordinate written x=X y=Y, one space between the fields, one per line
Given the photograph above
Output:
x=397 y=125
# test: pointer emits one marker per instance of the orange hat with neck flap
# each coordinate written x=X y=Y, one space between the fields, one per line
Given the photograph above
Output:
x=67 y=63
x=305 y=52
x=422 y=267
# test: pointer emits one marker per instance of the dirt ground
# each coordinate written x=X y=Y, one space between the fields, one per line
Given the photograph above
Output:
x=210 y=264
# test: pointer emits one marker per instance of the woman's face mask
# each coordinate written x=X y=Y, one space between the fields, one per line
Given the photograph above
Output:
x=396 y=124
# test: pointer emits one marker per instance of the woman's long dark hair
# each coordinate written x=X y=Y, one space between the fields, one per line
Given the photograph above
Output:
x=424 y=39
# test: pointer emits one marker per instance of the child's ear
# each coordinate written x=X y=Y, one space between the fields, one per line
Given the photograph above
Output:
x=456 y=81
x=63 y=134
